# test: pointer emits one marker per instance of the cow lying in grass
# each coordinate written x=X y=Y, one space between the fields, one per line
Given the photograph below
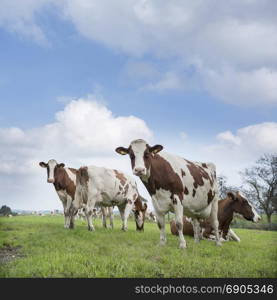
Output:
x=103 y=187
x=234 y=203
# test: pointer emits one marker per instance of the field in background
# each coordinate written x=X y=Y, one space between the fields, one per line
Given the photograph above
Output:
x=33 y=246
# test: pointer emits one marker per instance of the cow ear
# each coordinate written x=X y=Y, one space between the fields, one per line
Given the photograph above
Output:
x=122 y=150
x=62 y=165
x=156 y=149
x=231 y=196
x=43 y=164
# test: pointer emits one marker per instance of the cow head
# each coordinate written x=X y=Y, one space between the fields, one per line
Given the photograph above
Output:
x=140 y=154
x=243 y=207
x=51 y=167
x=139 y=212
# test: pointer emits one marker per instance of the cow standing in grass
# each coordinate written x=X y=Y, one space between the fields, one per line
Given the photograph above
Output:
x=64 y=180
x=176 y=184
x=103 y=187
x=234 y=203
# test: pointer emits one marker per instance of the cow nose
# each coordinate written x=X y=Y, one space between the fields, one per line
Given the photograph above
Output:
x=139 y=171
x=50 y=180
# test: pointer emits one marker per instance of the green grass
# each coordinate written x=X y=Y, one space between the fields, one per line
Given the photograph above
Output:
x=49 y=250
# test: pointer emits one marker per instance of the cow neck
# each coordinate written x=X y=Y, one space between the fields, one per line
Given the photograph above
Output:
x=60 y=179
x=225 y=212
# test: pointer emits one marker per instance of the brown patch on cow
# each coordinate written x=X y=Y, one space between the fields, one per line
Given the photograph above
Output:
x=126 y=188
x=162 y=176
x=186 y=191
x=64 y=182
x=210 y=196
x=120 y=177
x=193 y=193
x=120 y=188
x=8 y=253
x=183 y=173
x=198 y=173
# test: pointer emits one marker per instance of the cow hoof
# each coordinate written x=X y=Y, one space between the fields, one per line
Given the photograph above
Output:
x=183 y=246
x=162 y=243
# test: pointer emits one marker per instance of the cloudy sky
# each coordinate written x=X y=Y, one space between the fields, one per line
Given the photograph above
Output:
x=80 y=77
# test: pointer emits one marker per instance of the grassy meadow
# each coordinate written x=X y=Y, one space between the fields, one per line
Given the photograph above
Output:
x=34 y=246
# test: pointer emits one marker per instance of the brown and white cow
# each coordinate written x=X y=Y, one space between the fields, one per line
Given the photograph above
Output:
x=175 y=184
x=234 y=203
x=96 y=186
x=63 y=180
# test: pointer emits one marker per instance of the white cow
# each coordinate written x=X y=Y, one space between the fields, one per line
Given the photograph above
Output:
x=176 y=184
x=108 y=188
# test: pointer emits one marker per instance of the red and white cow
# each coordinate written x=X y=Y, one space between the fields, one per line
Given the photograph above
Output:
x=175 y=184
x=234 y=203
x=64 y=180
x=96 y=186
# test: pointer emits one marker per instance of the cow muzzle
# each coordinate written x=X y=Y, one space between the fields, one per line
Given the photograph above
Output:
x=139 y=171
x=50 y=180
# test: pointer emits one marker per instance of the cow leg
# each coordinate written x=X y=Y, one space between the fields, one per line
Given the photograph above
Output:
x=127 y=210
x=178 y=210
x=104 y=221
x=111 y=216
x=214 y=221
x=88 y=214
x=121 y=211
x=161 y=225
x=196 y=230
x=233 y=236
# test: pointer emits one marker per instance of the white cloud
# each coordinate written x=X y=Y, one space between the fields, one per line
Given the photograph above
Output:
x=232 y=47
x=243 y=87
x=235 y=151
x=85 y=132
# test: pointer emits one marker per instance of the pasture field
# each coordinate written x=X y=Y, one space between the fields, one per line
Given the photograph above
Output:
x=33 y=246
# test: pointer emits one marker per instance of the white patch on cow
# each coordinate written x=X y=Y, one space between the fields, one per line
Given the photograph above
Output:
x=238 y=215
x=138 y=148
x=257 y=217
x=51 y=164
x=71 y=175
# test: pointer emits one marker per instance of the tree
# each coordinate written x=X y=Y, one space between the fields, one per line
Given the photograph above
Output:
x=223 y=187
x=261 y=183
x=5 y=211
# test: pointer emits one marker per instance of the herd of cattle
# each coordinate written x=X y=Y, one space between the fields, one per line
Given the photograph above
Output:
x=187 y=189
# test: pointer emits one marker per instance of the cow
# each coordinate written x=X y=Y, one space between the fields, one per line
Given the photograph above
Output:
x=234 y=203
x=150 y=216
x=175 y=184
x=98 y=186
x=64 y=180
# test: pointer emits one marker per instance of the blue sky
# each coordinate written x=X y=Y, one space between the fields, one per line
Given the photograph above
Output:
x=199 y=93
